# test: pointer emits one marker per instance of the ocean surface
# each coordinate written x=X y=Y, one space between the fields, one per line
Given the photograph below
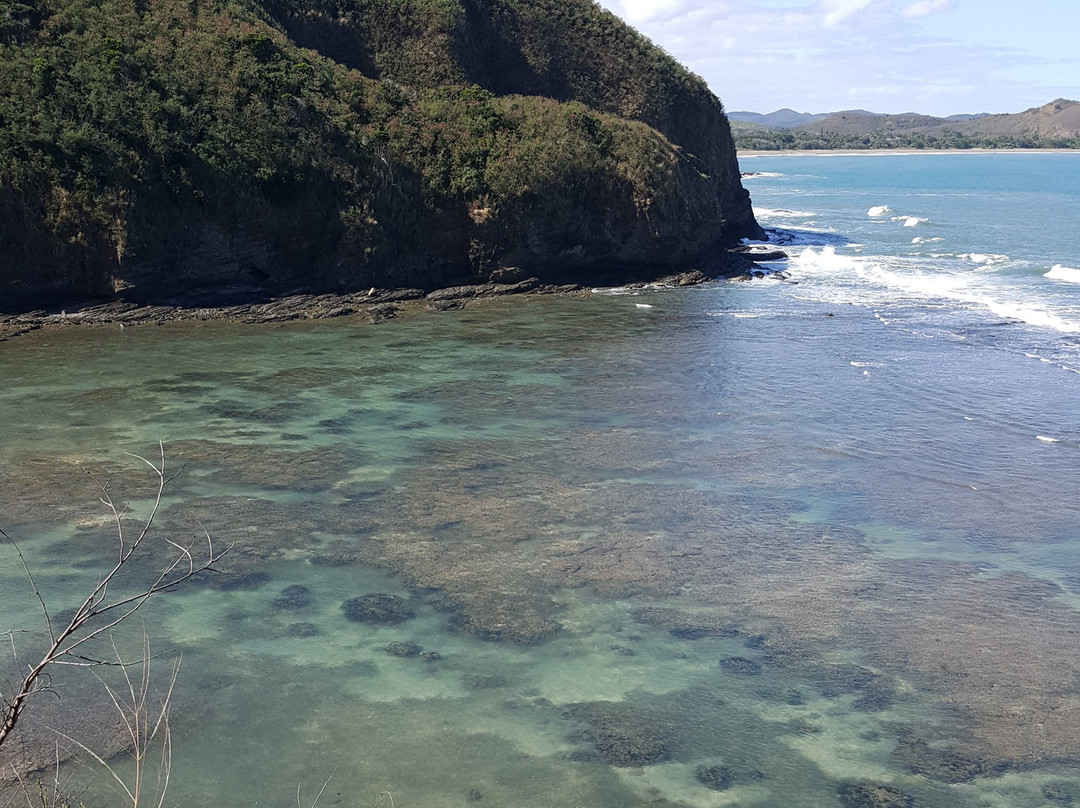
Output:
x=808 y=540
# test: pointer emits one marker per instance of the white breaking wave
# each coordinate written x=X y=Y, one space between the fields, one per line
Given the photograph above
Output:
x=910 y=221
x=827 y=259
x=988 y=259
x=753 y=175
x=1045 y=439
x=878 y=211
x=880 y=280
x=1062 y=273
x=781 y=213
x=877 y=271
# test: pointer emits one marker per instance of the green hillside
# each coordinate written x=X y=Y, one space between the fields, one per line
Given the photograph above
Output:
x=165 y=147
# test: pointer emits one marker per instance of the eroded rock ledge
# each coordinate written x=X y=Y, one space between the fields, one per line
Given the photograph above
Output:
x=378 y=305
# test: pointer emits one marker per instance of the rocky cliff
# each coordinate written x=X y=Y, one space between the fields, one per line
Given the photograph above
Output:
x=157 y=149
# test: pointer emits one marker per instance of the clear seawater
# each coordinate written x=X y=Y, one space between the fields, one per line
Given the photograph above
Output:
x=772 y=543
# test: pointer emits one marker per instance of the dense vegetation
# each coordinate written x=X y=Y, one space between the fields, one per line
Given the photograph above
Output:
x=155 y=146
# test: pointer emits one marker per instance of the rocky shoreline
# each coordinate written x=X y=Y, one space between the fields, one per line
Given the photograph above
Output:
x=378 y=305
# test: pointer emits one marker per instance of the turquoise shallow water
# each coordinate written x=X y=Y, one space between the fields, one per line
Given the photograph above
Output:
x=774 y=543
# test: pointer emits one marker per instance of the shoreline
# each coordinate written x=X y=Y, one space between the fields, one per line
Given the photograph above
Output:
x=378 y=305
x=873 y=152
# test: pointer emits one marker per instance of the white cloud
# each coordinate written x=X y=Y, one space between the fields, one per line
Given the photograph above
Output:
x=836 y=11
x=925 y=8
x=762 y=55
x=637 y=11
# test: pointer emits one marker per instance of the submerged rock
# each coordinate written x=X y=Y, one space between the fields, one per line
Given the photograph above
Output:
x=873 y=795
x=485 y=681
x=378 y=608
x=493 y=617
x=718 y=778
x=741 y=666
x=622 y=735
x=685 y=625
x=403 y=649
x=876 y=696
x=337 y=554
x=946 y=765
x=1057 y=795
x=875 y=691
x=296 y=596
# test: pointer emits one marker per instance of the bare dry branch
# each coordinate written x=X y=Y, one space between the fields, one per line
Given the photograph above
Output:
x=98 y=614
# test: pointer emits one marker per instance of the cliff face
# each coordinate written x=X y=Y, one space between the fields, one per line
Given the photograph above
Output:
x=566 y=50
x=152 y=149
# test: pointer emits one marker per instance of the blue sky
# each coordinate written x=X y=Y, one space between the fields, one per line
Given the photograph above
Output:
x=938 y=57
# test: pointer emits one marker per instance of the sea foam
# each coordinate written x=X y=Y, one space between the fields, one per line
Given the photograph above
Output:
x=1033 y=316
x=877 y=211
x=1062 y=273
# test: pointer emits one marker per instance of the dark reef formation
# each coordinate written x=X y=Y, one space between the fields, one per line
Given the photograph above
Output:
x=623 y=736
x=873 y=795
x=378 y=608
x=235 y=150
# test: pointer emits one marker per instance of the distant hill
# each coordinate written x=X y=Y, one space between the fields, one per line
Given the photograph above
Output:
x=781 y=119
x=966 y=117
x=1053 y=125
x=1058 y=119
x=861 y=123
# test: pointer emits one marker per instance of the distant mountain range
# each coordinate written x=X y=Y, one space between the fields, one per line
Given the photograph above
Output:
x=1053 y=124
x=790 y=119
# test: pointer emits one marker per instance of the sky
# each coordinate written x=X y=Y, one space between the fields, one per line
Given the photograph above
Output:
x=937 y=57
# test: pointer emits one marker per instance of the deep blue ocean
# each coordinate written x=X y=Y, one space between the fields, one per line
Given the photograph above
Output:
x=807 y=540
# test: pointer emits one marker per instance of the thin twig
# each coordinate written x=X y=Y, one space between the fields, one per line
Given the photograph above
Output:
x=142 y=728
x=33 y=583
x=97 y=614
x=317 y=796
